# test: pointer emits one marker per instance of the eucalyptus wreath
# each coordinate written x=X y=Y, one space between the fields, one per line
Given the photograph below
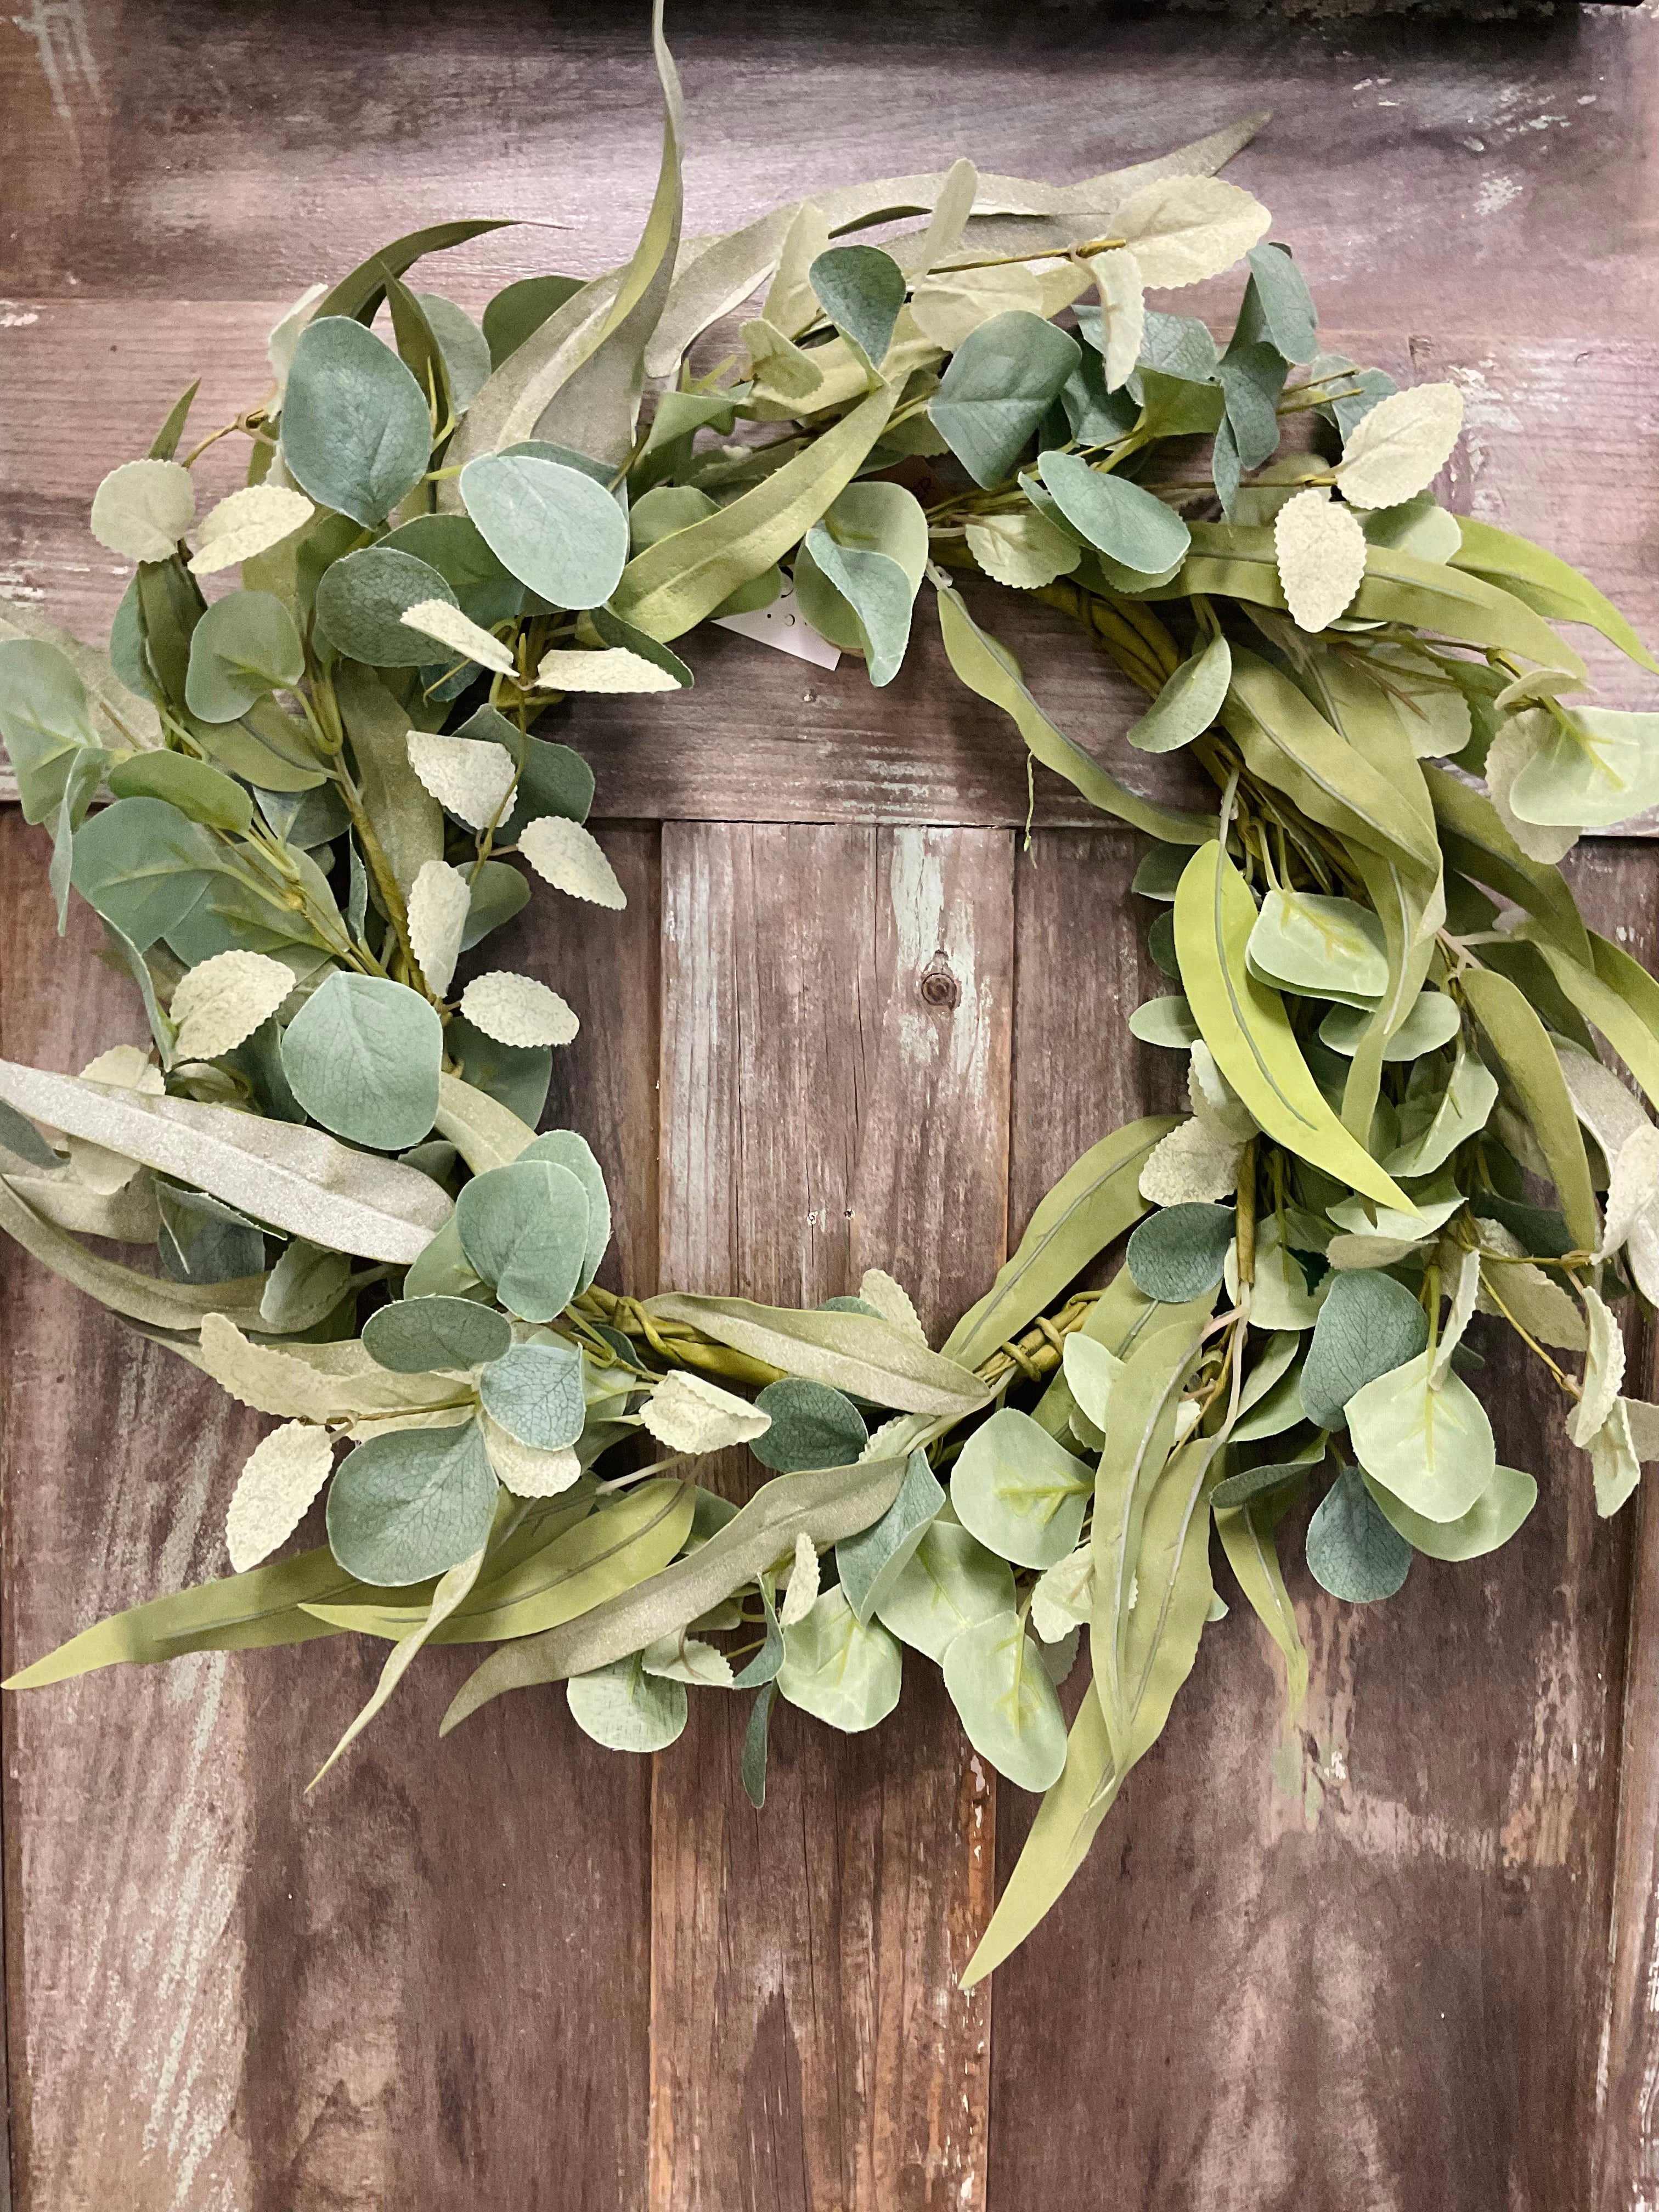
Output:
x=324 y=787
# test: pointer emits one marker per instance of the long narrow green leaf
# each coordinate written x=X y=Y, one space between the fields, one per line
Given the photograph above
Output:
x=1097 y=1199
x=673 y=585
x=1529 y=1060
x=153 y=1301
x=852 y=1352
x=983 y=667
x=361 y=292
x=1617 y=997
x=1548 y=584
x=1245 y=1025
x=825 y=1504
x=1246 y=1537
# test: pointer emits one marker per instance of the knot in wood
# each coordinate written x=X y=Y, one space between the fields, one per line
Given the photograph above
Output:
x=939 y=988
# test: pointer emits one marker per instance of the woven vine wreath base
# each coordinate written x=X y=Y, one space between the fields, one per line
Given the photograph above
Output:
x=324 y=788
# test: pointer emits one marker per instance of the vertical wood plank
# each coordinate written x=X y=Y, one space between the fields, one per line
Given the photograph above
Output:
x=402 y=1989
x=1360 y=1960
x=836 y=1047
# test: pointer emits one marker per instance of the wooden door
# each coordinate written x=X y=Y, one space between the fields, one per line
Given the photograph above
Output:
x=1399 y=1955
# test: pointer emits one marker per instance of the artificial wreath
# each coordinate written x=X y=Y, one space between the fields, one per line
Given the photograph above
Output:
x=324 y=787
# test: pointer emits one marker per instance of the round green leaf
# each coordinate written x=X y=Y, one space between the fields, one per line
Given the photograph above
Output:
x=840 y=1673
x=524 y=1227
x=1021 y=1493
x=411 y=1504
x=1002 y=380
x=357 y=432
x=1167 y=1022
x=812 y=1426
x=861 y=290
x=1005 y=1701
x=625 y=1709
x=418 y=1335
x=204 y=794
x=1180 y=1253
x=1126 y=523
x=362 y=601
x=1434 y=1020
x=553 y=526
x=143 y=866
x=362 y=1057
x=453 y=545
x=1369 y=1325
x=873 y=586
x=1189 y=701
x=243 y=648
x=1352 y=1550
x=516 y=1075
x=535 y=1392
x=950 y=1581
x=1430 y=1445
x=1323 y=948
x=567 y=1150
x=498 y=893
x=1492 y=1519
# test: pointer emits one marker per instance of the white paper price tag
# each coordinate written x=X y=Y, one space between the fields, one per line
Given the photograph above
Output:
x=783 y=626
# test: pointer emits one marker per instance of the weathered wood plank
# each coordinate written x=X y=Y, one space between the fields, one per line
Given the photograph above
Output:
x=222 y=1991
x=835 y=1095
x=1361 y=1958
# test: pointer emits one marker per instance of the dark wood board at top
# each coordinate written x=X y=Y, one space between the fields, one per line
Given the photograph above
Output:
x=481 y=1974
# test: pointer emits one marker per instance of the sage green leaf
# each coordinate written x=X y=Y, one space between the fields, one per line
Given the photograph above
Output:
x=244 y=648
x=418 y=1335
x=1024 y=550
x=1133 y=527
x=985 y=668
x=1353 y=1551
x=1431 y=1447
x=1001 y=381
x=550 y=525
x=568 y=1149
x=811 y=1426
x=857 y=1353
x=357 y=432
x=1189 y=701
x=824 y=1504
x=44 y=720
x=362 y=1056
x=879 y=593
x=304 y=1287
x=1321 y=948
x=1093 y=1203
x=198 y=790
x=1433 y=1021
x=1245 y=1026
x=524 y=1228
x=1492 y=1519
x=410 y=1505
x=950 y=1581
x=1460 y=1112
x=336 y=1385
x=1179 y=1253
x=843 y=1673
x=535 y=1392
x=1368 y=1326
x=1545 y=582
x=1016 y=1489
x=1522 y=1045
x=362 y=599
x=296 y=1179
x=625 y=1709
x=1006 y=1703
x=862 y=289
x=869 y=1565
x=667 y=588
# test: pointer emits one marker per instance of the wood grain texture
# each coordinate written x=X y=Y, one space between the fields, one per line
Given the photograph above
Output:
x=222 y=1991
x=836 y=1040
x=1361 y=1959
